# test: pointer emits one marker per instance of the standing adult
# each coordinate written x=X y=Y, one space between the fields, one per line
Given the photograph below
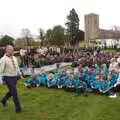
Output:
x=113 y=65
x=10 y=71
x=22 y=56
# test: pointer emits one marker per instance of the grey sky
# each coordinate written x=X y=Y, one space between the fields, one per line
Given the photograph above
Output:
x=34 y=14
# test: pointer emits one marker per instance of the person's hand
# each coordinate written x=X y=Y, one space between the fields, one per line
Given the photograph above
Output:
x=1 y=84
x=21 y=77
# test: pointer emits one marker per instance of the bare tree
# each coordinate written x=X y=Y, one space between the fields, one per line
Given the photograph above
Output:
x=28 y=39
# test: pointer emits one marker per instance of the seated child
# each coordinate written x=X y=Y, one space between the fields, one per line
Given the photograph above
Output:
x=81 y=87
x=104 y=87
x=76 y=74
x=96 y=84
x=51 y=82
x=89 y=77
x=70 y=83
x=61 y=81
x=42 y=79
x=31 y=81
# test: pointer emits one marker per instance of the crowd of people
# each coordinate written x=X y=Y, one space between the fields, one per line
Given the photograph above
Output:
x=91 y=70
x=48 y=57
x=98 y=73
x=89 y=56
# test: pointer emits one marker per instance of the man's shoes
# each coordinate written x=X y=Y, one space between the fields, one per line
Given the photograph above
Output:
x=18 y=111
x=4 y=104
x=85 y=95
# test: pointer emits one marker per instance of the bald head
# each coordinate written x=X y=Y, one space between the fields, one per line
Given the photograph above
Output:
x=9 y=50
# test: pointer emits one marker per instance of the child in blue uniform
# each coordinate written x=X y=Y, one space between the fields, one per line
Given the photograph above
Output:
x=96 y=84
x=105 y=87
x=61 y=81
x=32 y=80
x=81 y=87
x=51 y=82
x=90 y=77
x=70 y=82
x=76 y=74
x=42 y=79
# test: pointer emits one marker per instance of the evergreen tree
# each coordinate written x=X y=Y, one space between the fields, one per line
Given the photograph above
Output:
x=41 y=36
x=72 y=26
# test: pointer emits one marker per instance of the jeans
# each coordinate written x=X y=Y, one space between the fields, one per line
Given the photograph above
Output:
x=11 y=82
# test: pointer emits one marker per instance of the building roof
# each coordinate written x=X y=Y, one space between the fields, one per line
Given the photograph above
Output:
x=91 y=14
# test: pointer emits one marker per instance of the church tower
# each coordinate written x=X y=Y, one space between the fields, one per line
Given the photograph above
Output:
x=91 y=26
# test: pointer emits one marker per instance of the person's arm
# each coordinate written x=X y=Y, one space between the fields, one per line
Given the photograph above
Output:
x=19 y=72
x=17 y=67
x=2 y=65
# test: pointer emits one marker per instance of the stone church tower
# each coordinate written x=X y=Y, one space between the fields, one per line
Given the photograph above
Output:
x=91 y=26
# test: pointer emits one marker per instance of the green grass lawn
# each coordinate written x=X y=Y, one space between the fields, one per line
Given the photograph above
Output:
x=109 y=50
x=51 y=104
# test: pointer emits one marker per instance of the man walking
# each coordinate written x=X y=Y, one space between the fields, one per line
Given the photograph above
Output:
x=9 y=70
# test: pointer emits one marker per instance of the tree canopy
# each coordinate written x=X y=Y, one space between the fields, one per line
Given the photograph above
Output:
x=55 y=36
x=6 y=40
